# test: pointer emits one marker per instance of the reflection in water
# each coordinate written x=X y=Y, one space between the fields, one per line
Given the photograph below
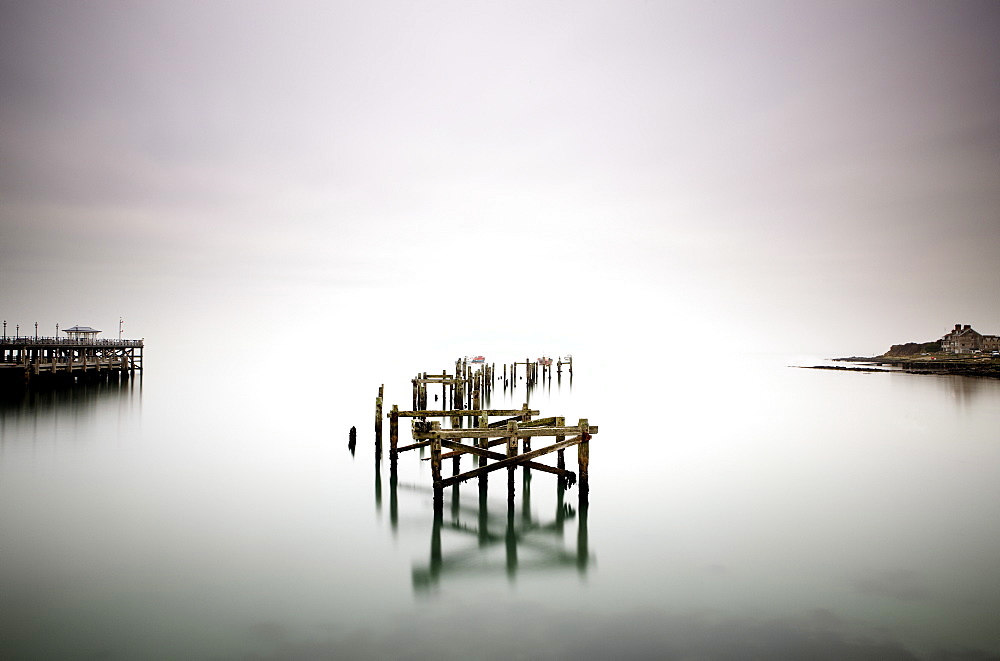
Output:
x=493 y=541
x=964 y=389
x=73 y=402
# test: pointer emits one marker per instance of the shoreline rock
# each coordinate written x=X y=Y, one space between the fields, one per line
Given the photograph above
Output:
x=987 y=367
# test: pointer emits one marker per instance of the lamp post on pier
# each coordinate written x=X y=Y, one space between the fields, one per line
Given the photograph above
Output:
x=4 y=330
x=36 y=331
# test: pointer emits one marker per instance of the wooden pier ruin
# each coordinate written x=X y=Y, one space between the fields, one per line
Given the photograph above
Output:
x=471 y=431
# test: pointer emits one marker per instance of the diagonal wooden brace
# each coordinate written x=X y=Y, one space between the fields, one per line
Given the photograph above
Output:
x=506 y=462
x=460 y=449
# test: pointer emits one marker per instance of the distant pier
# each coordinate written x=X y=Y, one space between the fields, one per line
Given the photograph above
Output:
x=39 y=361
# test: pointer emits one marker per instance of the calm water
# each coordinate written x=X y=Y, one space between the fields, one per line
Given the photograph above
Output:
x=738 y=510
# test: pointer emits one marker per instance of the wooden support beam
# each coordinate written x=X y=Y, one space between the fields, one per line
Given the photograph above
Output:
x=413 y=446
x=394 y=429
x=511 y=462
x=437 y=413
x=463 y=449
x=541 y=422
x=436 y=459
x=477 y=432
x=561 y=460
x=502 y=424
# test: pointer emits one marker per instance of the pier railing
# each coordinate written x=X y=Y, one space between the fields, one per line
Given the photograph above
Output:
x=32 y=341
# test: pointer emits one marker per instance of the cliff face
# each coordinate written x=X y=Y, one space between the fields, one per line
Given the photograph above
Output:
x=913 y=348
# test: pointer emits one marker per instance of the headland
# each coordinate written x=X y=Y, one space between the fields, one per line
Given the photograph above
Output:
x=962 y=351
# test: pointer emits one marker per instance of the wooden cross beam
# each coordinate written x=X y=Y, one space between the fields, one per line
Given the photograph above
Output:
x=460 y=449
x=480 y=432
x=541 y=422
x=508 y=462
x=467 y=412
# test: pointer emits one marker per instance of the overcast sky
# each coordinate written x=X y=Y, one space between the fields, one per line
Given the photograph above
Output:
x=810 y=176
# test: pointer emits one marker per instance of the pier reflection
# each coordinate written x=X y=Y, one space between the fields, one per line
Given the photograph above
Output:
x=75 y=398
x=965 y=390
x=40 y=416
x=474 y=536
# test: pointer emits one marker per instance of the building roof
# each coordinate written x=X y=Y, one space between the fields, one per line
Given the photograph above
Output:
x=81 y=329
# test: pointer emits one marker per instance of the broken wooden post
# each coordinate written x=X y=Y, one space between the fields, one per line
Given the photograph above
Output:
x=561 y=455
x=393 y=434
x=436 y=464
x=352 y=439
x=526 y=446
x=484 y=443
x=511 y=452
x=583 y=456
x=476 y=405
x=378 y=420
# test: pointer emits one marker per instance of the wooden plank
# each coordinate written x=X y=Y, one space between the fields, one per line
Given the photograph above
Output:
x=537 y=423
x=476 y=412
x=502 y=424
x=478 y=432
x=414 y=446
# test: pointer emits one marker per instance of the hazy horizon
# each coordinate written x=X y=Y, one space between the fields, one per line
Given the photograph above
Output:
x=805 y=177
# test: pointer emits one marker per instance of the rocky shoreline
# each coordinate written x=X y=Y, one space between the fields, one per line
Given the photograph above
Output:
x=985 y=366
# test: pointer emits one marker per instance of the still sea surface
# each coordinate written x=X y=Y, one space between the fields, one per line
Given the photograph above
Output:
x=739 y=508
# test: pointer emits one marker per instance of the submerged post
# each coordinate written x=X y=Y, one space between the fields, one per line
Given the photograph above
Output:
x=583 y=455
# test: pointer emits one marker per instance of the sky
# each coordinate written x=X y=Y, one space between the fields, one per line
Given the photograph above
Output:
x=818 y=177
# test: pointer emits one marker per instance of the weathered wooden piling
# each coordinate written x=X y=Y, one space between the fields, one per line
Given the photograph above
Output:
x=436 y=466
x=511 y=453
x=378 y=420
x=583 y=456
x=561 y=454
x=393 y=437
x=483 y=444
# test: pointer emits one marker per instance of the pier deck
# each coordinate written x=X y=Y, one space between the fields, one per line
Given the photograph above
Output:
x=30 y=359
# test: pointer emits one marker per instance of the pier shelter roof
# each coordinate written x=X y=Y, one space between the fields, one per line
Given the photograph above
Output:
x=81 y=332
